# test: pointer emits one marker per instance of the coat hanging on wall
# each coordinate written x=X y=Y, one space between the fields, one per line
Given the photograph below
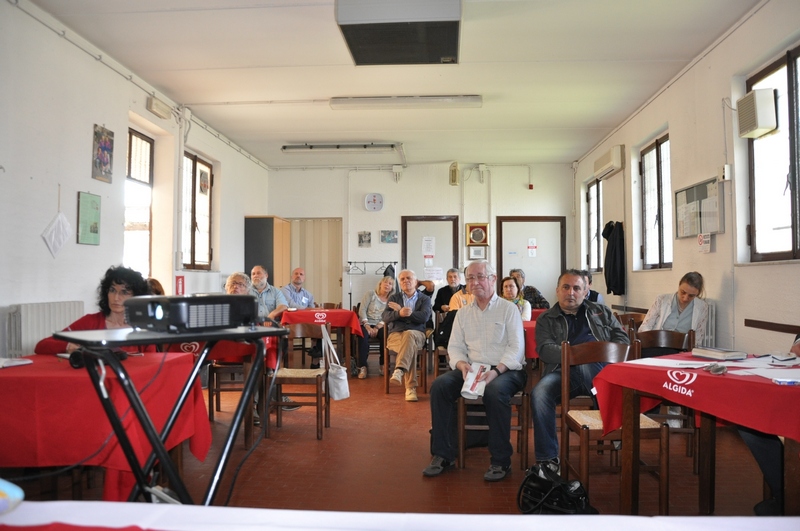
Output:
x=614 y=266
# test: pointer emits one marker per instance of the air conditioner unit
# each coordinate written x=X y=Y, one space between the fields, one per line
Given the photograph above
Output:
x=756 y=113
x=158 y=107
x=611 y=162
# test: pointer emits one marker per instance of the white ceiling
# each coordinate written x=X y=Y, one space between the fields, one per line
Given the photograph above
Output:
x=556 y=76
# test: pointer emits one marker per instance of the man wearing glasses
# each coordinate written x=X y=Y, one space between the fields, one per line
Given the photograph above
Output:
x=405 y=316
x=488 y=330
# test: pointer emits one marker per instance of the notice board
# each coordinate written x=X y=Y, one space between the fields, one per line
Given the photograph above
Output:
x=699 y=210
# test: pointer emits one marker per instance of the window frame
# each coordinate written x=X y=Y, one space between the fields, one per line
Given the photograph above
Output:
x=149 y=183
x=661 y=228
x=192 y=264
x=594 y=237
x=789 y=60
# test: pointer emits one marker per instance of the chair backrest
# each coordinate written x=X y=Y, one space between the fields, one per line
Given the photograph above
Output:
x=666 y=339
x=591 y=352
x=331 y=305
x=630 y=322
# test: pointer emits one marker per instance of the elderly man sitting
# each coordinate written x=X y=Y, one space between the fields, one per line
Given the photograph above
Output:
x=405 y=316
x=487 y=330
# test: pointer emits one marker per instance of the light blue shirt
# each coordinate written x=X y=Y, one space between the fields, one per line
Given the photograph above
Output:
x=268 y=300
x=301 y=299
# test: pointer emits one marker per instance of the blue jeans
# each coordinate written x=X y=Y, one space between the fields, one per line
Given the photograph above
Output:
x=363 y=346
x=496 y=398
x=544 y=399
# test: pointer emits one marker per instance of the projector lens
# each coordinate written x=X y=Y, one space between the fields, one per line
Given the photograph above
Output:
x=159 y=312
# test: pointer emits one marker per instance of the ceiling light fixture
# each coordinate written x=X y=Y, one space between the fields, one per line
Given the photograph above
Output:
x=407 y=102
x=339 y=148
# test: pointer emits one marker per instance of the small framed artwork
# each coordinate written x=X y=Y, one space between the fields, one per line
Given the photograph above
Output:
x=102 y=153
x=88 y=218
x=477 y=252
x=477 y=234
x=388 y=236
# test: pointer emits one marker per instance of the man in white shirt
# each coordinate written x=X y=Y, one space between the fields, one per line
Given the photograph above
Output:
x=487 y=330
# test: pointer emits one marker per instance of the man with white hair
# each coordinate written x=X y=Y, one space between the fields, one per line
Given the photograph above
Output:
x=487 y=330
x=405 y=316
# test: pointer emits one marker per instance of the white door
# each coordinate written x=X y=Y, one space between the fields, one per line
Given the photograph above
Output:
x=430 y=246
x=535 y=245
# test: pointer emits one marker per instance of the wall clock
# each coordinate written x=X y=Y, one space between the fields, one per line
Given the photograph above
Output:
x=477 y=234
x=373 y=202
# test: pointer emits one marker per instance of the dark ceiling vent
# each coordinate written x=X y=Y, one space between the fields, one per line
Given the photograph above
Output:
x=389 y=32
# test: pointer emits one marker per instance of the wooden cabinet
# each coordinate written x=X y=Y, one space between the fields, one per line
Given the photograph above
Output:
x=267 y=242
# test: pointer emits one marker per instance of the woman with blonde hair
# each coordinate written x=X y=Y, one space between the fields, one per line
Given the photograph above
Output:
x=369 y=313
x=681 y=311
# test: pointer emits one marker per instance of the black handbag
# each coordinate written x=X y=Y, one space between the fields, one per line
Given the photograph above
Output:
x=544 y=492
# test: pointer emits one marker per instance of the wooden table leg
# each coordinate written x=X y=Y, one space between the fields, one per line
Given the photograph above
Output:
x=706 y=457
x=629 y=477
x=791 y=477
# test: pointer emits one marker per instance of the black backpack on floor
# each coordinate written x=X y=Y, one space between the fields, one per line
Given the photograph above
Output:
x=544 y=492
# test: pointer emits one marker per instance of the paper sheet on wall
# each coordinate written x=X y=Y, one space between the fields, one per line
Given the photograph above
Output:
x=428 y=246
x=709 y=215
x=57 y=233
x=434 y=273
x=532 y=247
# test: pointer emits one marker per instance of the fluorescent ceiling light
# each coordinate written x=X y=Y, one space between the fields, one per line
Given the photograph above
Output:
x=407 y=102
x=339 y=148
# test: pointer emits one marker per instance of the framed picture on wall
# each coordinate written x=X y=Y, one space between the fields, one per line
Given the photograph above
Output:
x=477 y=234
x=477 y=252
x=88 y=218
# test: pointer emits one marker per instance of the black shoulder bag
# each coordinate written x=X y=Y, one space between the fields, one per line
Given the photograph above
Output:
x=544 y=492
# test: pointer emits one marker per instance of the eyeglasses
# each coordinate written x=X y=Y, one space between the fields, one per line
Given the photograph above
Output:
x=478 y=278
x=238 y=285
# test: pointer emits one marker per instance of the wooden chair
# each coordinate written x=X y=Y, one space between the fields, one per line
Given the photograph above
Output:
x=422 y=361
x=332 y=305
x=679 y=342
x=630 y=321
x=316 y=378
x=301 y=332
x=589 y=425
x=437 y=351
x=473 y=408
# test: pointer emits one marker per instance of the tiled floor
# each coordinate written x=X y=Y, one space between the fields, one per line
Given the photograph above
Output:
x=372 y=456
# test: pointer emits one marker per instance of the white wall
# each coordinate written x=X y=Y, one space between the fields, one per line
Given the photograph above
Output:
x=422 y=190
x=53 y=94
x=691 y=109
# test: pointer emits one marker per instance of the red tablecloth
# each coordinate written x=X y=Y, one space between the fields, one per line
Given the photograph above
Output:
x=750 y=401
x=53 y=417
x=339 y=318
x=529 y=329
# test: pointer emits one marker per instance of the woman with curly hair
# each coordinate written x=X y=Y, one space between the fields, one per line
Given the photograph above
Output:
x=118 y=285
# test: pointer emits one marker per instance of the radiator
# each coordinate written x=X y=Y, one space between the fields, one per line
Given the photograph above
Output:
x=711 y=326
x=28 y=323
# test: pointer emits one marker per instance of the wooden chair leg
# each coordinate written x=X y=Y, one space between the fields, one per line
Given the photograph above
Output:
x=320 y=413
x=583 y=466
x=663 y=474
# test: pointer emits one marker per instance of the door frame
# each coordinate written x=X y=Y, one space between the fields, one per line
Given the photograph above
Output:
x=561 y=220
x=404 y=229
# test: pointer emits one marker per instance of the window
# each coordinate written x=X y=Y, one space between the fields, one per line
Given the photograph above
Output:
x=774 y=225
x=594 y=211
x=656 y=252
x=138 y=198
x=196 y=212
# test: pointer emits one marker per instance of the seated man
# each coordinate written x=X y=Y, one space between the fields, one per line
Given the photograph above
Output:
x=767 y=449
x=405 y=316
x=300 y=298
x=529 y=293
x=488 y=330
x=578 y=321
x=442 y=303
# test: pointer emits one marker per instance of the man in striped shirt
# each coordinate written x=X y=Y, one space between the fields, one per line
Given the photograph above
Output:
x=488 y=330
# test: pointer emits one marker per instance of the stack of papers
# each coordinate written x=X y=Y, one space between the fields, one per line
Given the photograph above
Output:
x=472 y=388
x=13 y=362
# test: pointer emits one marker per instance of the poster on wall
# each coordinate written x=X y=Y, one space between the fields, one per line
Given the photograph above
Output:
x=365 y=239
x=388 y=236
x=88 y=218
x=102 y=153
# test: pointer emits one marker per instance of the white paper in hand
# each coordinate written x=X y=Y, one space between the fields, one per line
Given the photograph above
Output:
x=472 y=388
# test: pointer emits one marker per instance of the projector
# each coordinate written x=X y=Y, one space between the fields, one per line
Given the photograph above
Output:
x=196 y=313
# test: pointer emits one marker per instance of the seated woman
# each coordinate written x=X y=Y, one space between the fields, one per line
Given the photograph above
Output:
x=681 y=311
x=118 y=285
x=369 y=313
x=511 y=293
